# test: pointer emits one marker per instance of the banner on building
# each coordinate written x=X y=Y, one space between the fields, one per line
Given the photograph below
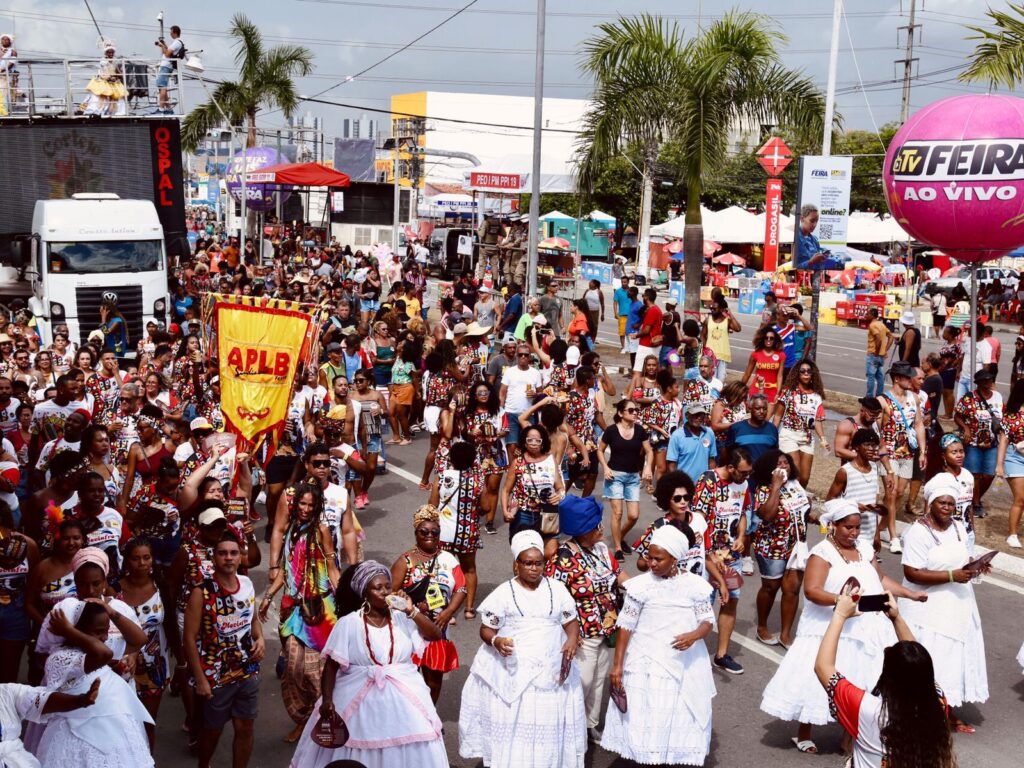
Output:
x=825 y=183
x=260 y=344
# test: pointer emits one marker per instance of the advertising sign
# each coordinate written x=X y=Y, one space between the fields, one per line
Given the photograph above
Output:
x=825 y=184
x=773 y=206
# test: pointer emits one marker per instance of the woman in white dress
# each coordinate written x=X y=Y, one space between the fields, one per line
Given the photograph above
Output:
x=948 y=625
x=107 y=92
x=372 y=682
x=661 y=661
x=522 y=705
x=109 y=734
x=793 y=693
x=26 y=702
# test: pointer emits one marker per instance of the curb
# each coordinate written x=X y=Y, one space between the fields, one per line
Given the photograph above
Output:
x=1002 y=563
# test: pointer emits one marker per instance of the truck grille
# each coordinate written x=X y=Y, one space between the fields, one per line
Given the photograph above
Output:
x=129 y=302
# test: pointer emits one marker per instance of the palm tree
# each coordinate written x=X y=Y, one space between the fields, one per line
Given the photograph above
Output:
x=999 y=54
x=265 y=81
x=650 y=86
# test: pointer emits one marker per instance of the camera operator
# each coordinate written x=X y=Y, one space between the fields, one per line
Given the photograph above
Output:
x=171 y=51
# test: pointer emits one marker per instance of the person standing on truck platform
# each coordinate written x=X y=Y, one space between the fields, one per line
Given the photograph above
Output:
x=172 y=51
x=114 y=328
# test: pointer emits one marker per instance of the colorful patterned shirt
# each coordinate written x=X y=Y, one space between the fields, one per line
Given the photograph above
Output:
x=225 y=640
x=775 y=540
x=723 y=504
x=801 y=410
x=983 y=422
x=661 y=413
x=895 y=431
x=1013 y=423
x=579 y=414
x=439 y=389
x=590 y=576
x=698 y=391
x=693 y=560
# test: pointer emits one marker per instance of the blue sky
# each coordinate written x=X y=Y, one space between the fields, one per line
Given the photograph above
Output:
x=490 y=47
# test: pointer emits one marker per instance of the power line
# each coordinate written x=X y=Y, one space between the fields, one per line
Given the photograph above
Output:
x=392 y=55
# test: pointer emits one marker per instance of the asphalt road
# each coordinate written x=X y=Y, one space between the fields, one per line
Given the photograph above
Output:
x=743 y=735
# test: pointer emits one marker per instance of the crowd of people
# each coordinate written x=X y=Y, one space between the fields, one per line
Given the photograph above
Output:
x=128 y=529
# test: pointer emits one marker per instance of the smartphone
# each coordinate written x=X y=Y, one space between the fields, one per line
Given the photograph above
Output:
x=872 y=603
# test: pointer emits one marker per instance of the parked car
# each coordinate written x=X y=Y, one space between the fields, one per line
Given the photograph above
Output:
x=986 y=276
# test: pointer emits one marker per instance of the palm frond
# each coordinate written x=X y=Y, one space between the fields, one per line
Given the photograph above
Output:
x=248 y=46
x=197 y=123
x=998 y=57
x=286 y=61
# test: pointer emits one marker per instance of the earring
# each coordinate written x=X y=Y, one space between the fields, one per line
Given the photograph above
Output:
x=365 y=607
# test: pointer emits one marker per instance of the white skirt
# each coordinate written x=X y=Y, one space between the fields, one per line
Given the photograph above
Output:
x=658 y=727
x=420 y=754
x=61 y=747
x=794 y=692
x=543 y=728
x=1020 y=656
x=960 y=668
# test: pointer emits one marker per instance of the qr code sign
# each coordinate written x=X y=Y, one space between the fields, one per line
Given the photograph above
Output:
x=824 y=231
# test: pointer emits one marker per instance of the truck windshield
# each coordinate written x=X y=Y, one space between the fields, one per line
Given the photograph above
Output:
x=105 y=256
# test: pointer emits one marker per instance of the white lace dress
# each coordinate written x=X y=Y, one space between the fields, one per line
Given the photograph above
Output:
x=794 y=692
x=382 y=698
x=18 y=703
x=109 y=734
x=668 y=692
x=948 y=624
x=514 y=712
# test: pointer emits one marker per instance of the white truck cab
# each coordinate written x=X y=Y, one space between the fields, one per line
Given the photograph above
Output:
x=88 y=249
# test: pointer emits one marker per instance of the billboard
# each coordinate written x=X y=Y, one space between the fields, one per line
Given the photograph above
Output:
x=825 y=184
x=50 y=160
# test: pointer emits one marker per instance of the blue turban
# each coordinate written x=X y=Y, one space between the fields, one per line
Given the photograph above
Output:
x=578 y=515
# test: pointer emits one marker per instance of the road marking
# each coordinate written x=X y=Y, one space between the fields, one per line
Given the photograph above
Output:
x=404 y=474
x=995 y=581
x=756 y=646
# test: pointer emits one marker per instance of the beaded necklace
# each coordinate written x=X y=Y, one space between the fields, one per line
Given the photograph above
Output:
x=369 y=647
x=551 y=598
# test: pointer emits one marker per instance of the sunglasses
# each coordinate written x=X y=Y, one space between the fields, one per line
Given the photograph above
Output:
x=806 y=370
x=320 y=463
x=428 y=532
x=681 y=498
x=629 y=410
x=524 y=354
x=359 y=381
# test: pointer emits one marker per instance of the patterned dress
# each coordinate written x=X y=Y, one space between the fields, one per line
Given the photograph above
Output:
x=591 y=577
x=446 y=579
x=459 y=505
x=152 y=670
x=492 y=458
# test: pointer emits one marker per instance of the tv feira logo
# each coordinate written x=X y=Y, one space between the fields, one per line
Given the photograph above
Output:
x=977 y=169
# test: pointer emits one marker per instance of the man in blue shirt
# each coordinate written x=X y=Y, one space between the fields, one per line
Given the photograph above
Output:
x=809 y=251
x=513 y=310
x=634 y=319
x=622 y=302
x=756 y=434
x=692 y=448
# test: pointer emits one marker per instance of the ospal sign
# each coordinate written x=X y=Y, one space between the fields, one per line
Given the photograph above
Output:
x=973 y=168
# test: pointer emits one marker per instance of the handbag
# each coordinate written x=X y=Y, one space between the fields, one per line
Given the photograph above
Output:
x=619 y=697
x=732 y=577
x=550 y=522
x=330 y=731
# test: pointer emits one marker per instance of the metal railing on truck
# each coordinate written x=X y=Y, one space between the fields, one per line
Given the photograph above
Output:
x=60 y=88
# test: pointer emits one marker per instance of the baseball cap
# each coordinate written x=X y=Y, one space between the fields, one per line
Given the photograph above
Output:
x=199 y=424
x=460 y=328
x=902 y=368
x=510 y=338
x=333 y=347
x=670 y=303
x=540 y=320
x=984 y=375
x=211 y=516
x=696 y=410
x=572 y=356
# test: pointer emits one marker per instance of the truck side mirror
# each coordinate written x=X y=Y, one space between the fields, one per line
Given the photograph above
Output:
x=21 y=253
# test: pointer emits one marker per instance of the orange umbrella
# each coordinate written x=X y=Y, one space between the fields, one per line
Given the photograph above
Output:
x=730 y=260
x=676 y=246
x=554 y=244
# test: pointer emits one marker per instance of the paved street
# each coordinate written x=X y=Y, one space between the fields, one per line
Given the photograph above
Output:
x=742 y=734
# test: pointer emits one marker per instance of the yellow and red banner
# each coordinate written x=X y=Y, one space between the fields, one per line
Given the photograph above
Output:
x=260 y=345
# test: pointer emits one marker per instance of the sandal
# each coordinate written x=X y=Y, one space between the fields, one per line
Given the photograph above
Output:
x=959 y=726
x=806 y=746
x=469 y=614
x=424 y=486
x=772 y=639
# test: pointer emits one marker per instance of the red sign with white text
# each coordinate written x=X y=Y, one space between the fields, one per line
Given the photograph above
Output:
x=772 y=208
x=512 y=182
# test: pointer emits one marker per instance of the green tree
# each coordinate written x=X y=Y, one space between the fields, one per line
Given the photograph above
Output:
x=652 y=86
x=265 y=81
x=998 y=57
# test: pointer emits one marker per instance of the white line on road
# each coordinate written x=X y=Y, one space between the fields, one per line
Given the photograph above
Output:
x=756 y=646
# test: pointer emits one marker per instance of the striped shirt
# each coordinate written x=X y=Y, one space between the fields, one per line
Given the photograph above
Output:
x=862 y=488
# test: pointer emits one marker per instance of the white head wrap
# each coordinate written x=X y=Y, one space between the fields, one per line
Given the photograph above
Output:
x=525 y=540
x=107 y=45
x=943 y=484
x=837 y=509
x=671 y=539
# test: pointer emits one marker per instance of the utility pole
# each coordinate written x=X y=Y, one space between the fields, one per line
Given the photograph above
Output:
x=538 y=126
x=908 y=62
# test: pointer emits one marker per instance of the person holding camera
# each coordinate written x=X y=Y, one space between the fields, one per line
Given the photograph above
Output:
x=899 y=722
x=172 y=51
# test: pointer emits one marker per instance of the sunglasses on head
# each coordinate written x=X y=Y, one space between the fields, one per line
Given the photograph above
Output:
x=320 y=463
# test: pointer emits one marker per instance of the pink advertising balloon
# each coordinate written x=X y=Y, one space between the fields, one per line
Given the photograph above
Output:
x=954 y=176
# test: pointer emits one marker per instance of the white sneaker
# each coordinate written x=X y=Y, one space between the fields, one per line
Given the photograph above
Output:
x=895 y=547
x=747 y=566
x=623 y=351
x=1013 y=541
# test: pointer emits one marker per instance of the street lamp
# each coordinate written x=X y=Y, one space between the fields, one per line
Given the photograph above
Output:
x=194 y=65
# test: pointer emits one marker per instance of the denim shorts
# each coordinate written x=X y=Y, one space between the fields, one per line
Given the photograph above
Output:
x=770 y=569
x=239 y=700
x=369 y=305
x=980 y=461
x=374 y=443
x=163 y=77
x=14 y=623
x=1014 y=462
x=624 y=486
x=512 y=438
